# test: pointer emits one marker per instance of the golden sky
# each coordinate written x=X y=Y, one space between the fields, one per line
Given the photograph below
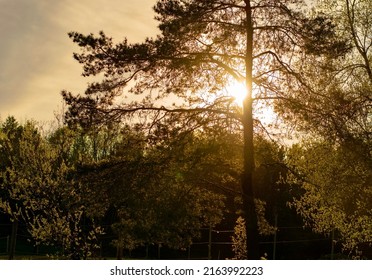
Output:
x=36 y=54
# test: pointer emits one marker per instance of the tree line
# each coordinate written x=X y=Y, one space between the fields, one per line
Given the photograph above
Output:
x=71 y=187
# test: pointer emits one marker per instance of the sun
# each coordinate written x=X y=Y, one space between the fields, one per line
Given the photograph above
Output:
x=237 y=91
x=264 y=112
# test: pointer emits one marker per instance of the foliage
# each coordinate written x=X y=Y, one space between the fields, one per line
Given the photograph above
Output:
x=337 y=192
x=36 y=189
x=333 y=112
x=61 y=184
x=149 y=187
x=202 y=47
x=333 y=106
x=239 y=240
x=337 y=102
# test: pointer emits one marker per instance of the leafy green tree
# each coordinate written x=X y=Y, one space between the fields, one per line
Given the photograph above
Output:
x=337 y=194
x=203 y=47
x=334 y=112
x=10 y=135
x=37 y=189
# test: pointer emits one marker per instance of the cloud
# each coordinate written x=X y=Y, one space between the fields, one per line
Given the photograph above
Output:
x=36 y=53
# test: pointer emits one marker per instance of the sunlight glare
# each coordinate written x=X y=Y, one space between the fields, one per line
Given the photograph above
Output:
x=237 y=91
x=264 y=113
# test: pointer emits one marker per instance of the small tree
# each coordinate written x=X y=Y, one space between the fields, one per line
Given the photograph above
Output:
x=239 y=240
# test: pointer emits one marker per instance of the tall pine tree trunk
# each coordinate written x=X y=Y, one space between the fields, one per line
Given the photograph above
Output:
x=247 y=180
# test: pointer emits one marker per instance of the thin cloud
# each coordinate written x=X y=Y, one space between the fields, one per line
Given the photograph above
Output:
x=36 y=53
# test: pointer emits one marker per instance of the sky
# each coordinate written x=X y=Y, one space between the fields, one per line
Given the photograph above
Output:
x=36 y=61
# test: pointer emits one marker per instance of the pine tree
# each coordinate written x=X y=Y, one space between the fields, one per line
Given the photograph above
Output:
x=204 y=45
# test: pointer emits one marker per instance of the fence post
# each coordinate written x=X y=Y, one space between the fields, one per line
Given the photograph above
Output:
x=210 y=243
x=275 y=236
x=333 y=244
x=159 y=247
x=7 y=244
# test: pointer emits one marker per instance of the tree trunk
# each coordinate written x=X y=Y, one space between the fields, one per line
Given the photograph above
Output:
x=119 y=252
x=13 y=240
x=247 y=180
